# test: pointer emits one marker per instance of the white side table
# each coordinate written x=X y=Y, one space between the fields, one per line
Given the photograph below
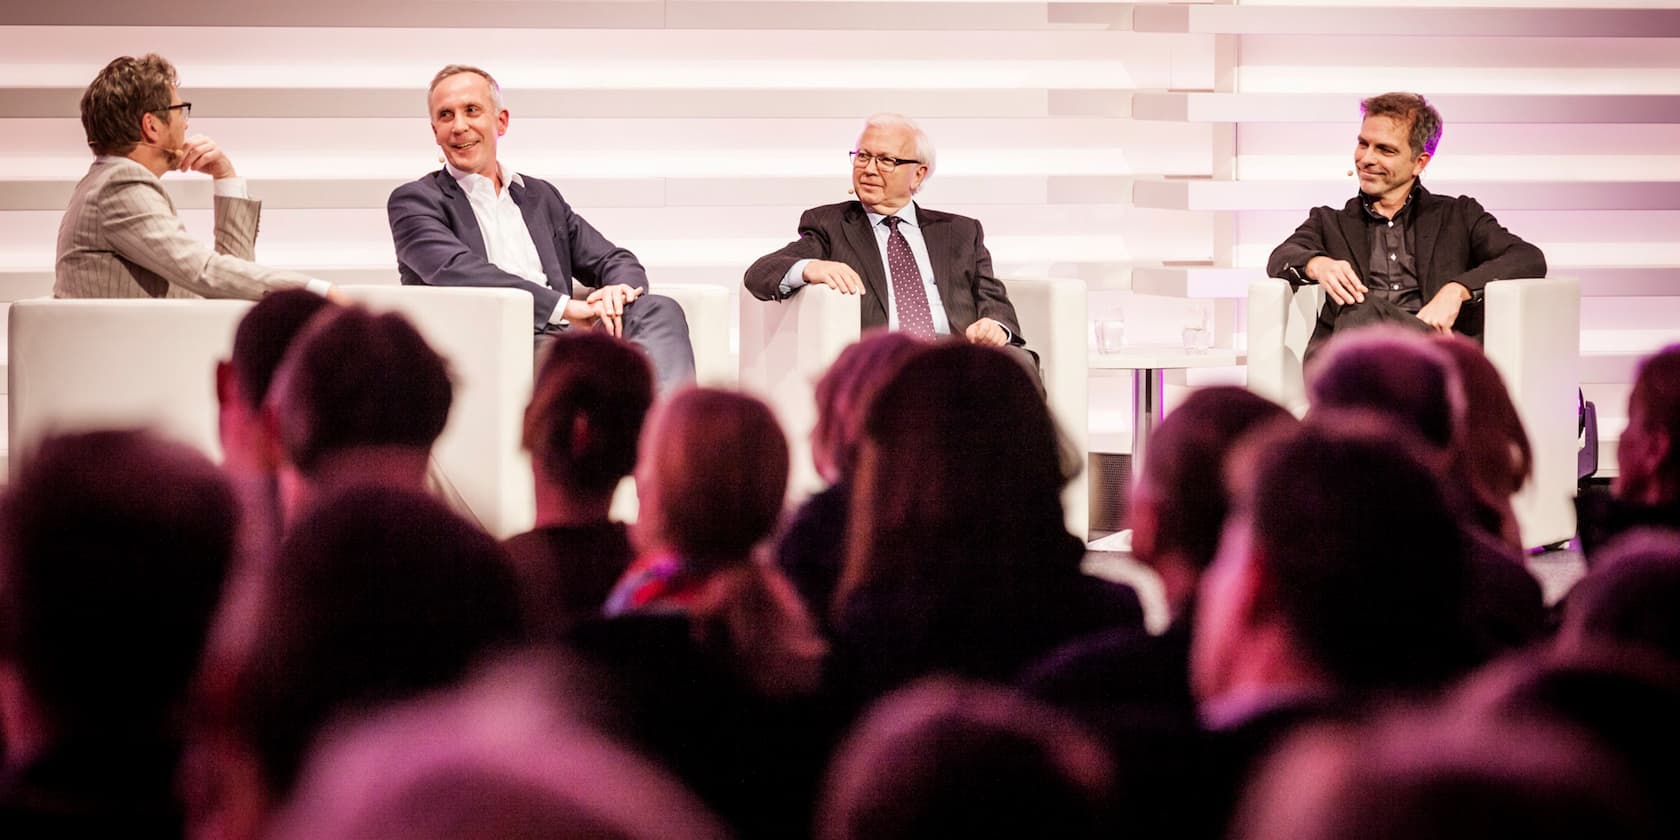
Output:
x=1148 y=364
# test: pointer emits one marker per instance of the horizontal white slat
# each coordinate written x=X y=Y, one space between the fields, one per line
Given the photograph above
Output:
x=1407 y=21
x=576 y=14
x=1462 y=108
x=791 y=102
x=41 y=194
x=1188 y=194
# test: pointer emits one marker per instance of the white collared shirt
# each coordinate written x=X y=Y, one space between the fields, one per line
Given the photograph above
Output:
x=507 y=240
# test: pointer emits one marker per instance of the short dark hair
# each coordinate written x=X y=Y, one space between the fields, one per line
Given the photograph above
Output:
x=1373 y=587
x=113 y=549
x=264 y=335
x=377 y=594
x=944 y=757
x=1628 y=596
x=1414 y=775
x=602 y=383
x=354 y=378
x=120 y=96
x=1186 y=465
x=1413 y=110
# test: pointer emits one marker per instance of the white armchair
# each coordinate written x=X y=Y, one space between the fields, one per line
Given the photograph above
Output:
x=707 y=310
x=1532 y=335
x=786 y=346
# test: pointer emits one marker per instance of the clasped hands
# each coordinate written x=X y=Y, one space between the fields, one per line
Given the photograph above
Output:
x=603 y=309
x=1341 y=282
x=845 y=280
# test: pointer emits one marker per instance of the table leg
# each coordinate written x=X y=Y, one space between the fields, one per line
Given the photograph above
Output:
x=1148 y=386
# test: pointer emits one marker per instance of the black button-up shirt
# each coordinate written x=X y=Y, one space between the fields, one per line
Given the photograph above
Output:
x=1391 y=272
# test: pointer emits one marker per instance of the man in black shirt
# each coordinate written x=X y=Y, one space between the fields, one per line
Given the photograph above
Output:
x=1397 y=252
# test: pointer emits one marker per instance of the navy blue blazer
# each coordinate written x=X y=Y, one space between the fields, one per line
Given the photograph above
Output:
x=439 y=243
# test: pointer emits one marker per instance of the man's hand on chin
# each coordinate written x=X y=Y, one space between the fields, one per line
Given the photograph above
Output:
x=1441 y=312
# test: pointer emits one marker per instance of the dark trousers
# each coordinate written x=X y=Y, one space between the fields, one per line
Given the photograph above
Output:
x=655 y=324
x=1336 y=318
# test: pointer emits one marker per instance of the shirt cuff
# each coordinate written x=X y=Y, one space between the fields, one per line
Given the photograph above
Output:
x=318 y=286
x=233 y=187
x=794 y=278
x=558 y=316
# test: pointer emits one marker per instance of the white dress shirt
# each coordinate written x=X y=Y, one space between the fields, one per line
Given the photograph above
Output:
x=507 y=240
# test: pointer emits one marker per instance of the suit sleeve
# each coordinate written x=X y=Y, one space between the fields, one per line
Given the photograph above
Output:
x=1496 y=253
x=1289 y=260
x=430 y=248
x=991 y=299
x=141 y=227
x=596 y=261
x=764 y=276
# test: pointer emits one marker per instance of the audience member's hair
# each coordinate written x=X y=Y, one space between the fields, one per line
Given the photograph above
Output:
x=944 y=758
x=586 y=412
x=960 y=461
x=1422 y=121
x=1372 y=584
x=377 y=594
x=1185 y=470
x=1623 y=698
x=357 y=379
x=1395 y=371
x=265 y=334
x=1494 y=445
x=1653 y=421
x=121 y=95
x=1629 y=596
x=113 y=549
x=843 y=395
x=1411 y=777
x=713 y=474
x=496 y=759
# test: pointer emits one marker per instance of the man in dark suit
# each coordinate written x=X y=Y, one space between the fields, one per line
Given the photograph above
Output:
x=476 y=222
x=921 y=271
x=1397 y=252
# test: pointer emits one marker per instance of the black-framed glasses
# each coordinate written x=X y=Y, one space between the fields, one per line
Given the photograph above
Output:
x=885 y=163
x=184 y=107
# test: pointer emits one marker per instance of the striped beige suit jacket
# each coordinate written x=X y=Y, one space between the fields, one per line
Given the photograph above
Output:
x=121 y=238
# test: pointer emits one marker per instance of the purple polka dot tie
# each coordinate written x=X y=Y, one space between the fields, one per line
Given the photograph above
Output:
x=914 y=316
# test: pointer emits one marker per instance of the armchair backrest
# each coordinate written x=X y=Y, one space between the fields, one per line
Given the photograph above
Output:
x=1532 y=336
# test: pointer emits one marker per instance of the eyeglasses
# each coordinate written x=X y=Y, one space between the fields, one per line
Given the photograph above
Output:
x=860 y=160
x=184 y=107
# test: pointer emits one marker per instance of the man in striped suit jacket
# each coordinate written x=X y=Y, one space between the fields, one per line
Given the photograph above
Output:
x=121 y=237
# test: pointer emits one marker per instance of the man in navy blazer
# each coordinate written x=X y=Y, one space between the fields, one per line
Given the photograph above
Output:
x=476 y=222
x=851 y=246
x=1397 y=252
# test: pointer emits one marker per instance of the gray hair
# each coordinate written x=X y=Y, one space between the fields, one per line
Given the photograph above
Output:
x=924 y=147
x=458 y=69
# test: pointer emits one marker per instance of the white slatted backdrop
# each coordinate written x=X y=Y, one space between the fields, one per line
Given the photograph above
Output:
x=1162 y=148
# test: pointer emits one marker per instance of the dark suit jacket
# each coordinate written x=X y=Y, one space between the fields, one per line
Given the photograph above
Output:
x=962 y=268
x=439 y=243
x=1456 y=240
